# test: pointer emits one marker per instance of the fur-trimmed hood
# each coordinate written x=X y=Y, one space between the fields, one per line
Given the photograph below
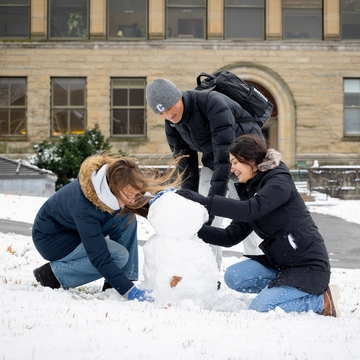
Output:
x=91 y=164
x=271 y=160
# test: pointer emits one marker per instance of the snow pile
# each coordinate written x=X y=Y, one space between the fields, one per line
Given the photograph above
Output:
x=178 y=266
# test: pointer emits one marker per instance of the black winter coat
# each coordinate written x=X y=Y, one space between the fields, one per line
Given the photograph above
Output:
x=209 y=136
x=271 y=206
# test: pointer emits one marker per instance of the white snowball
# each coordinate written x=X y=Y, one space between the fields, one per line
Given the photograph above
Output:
x=174 y=216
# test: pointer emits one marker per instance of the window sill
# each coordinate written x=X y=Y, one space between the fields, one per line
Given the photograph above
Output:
x=129 y=139
x=13 y=138
x=351 y=138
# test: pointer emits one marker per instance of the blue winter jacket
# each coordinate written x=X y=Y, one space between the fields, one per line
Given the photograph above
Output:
x=75 y=215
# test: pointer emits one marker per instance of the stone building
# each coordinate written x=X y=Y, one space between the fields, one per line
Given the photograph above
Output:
x=67 y=65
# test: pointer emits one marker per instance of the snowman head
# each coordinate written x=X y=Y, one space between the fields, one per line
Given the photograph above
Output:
x=173 y=216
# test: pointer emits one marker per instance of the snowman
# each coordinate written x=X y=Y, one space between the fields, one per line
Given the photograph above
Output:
x=178 y=266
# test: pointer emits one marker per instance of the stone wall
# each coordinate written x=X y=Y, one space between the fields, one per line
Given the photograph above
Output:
x=305 y=78
x=341 y=182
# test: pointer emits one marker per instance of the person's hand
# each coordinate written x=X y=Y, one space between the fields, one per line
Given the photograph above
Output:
x=194 y=196
x=160 y=193
x=140 y=295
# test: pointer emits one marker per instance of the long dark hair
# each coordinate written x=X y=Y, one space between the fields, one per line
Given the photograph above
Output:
x=248 y=149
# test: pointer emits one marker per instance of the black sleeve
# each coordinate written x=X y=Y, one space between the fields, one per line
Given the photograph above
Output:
x=274 y=193
x=230 y=236
x=188 y=165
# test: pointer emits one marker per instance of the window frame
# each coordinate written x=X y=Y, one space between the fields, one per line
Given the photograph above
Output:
x=8 y=106
x=298 y=5
x=349 y=135
x=67 y=107
x=28 y=16
x=127 y=107
x=127 y=38
x=342 y=13
x=186 y=37
x=68 y=38
x=263 y=7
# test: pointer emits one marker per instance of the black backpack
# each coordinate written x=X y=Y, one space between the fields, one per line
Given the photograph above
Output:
x=247 y=95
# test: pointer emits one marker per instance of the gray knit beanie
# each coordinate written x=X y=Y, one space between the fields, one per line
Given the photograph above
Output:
x=162 y=94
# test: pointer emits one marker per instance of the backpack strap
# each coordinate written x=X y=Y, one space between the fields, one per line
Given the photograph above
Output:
x=202 y=97
x=210 y=77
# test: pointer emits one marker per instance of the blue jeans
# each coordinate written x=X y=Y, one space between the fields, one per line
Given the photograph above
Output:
x=75 y=269
x=249 y=276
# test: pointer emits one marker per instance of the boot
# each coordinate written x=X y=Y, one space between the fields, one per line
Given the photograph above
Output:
x=106 y=286
x=45 y=276
x=331 y=298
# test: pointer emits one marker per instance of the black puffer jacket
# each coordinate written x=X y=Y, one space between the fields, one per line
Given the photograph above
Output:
x=271 y=206
x=211 y=137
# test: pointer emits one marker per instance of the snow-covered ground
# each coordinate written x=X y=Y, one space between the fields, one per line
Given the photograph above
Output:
x=85 y=323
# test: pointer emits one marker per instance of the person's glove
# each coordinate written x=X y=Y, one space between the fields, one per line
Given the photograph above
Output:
x=139 y=295
x=194 y=196
x=160 y=193
x=211 y=219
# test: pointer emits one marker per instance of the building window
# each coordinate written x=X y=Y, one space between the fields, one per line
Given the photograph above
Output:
x=14 y=19
x=68 y=19
x=12 y=107
x=128 y=107
x=127 y=20
x=244 y=19
x=350 y=19
x=68 y=106
x=352 y=107
x=186 y=19
x=302 y=19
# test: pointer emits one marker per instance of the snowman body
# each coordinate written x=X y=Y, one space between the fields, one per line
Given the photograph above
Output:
x=177 y=264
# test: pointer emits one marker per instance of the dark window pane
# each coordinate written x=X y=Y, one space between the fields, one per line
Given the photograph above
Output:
x=120 y=125
x=129 y=94
x=77 y=92
x=350 y=19
x=186 y=23
x=184 y=3
x=127 y=19
x=120 y=97
x=77 y=122
x=4 y=122
x=352 y=99
x=244 y=23
x=60 y=92
x=137 y=121
x=14 y=21
x=68 y=19
x=17 y=92
x=302 y=24
x=251 y=3
x=13 y=103
x=4 y=92
x=60 y=122
x=14 y=2
x=303 y=3
x=17 y=122
x=352 y=122
x=137 y=97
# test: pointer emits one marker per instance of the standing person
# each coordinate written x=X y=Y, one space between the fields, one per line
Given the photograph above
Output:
x=294 y=272
x=87 y=229
x=189 y=132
